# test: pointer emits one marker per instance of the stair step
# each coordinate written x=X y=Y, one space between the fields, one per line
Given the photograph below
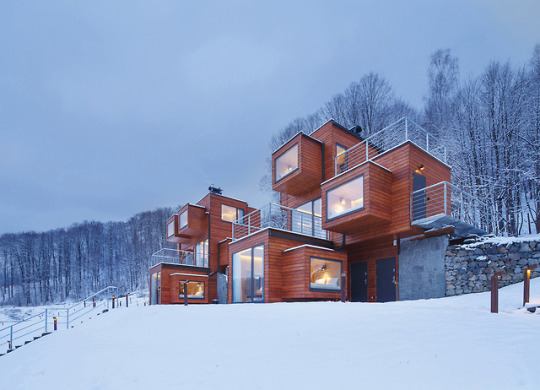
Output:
x=46 y=333
x=28 y=342
x=37 y=337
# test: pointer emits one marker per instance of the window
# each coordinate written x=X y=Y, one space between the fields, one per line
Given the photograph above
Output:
x=195 y=290
x=183 y=220
x=155 y=288
x=325 y=274
x=201 y=254
x=248 y=275
x=341 y=158
x=287 y=163
x=231 y=214
x=346 y=198
x=306 y=219
x=170 y=228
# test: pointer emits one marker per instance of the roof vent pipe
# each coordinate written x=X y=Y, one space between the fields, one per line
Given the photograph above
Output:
x=215 y=190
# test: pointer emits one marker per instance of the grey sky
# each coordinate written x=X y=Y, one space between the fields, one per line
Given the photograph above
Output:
x=109 y=108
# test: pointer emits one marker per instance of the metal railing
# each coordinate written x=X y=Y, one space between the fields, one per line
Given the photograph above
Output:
x=44 y=322
x=391 y=136
x=166 y=255
x=446 y=199
x=279 y=217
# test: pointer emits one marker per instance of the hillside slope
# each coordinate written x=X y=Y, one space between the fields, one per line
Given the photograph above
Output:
x=443 y=343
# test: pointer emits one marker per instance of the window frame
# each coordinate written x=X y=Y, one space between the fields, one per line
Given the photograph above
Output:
x=325 y=289
x=350 y=211
x=181 y=282
x=171 y=231
x=234 y=207
x=297 y=145
x=252 y=250
x=180 y=226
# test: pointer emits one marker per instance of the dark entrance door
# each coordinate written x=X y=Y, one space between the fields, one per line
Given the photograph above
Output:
x=386 y=277
x=359 y=282
x=419 y=199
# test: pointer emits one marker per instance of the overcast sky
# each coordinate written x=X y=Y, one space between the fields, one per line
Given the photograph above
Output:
x=109 y=108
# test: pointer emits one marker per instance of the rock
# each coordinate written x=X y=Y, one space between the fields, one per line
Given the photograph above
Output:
x=514 y=256
x=502 y=249
x=524 y=247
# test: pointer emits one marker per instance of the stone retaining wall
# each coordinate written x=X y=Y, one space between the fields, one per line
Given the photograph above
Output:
x=469 y=267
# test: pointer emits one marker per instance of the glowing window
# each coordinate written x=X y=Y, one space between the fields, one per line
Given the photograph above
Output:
x=325 y=274
x=201 y=254
x=346 y=198
x=287 y=163
x=195 y=290
x=341 y=158
x=183 y=220
x=231 y=214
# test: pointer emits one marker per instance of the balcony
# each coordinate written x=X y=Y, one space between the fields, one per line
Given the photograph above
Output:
x=297 y=165
x=388 y=138
x=173 y=256
x=279 y=217
x=443 y=204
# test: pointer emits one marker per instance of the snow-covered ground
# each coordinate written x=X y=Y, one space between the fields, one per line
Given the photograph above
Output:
x=449 y=343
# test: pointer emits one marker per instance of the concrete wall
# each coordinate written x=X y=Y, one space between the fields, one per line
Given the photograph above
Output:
x=422 y=268
x=222 y=287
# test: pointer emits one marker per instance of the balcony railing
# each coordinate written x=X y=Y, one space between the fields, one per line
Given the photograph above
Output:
x=391 y=136
x=449 y=204
x=279 y=217
x=174 y=256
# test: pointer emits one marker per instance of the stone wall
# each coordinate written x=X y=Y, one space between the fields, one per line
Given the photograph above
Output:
x=469 y=267
x=421 y=268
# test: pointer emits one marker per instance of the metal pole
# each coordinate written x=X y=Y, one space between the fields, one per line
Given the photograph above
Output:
x=11 y=337
x=127 y=300
x=495 y=292
x=45 y=320
x=67 y=318
x=527 y=284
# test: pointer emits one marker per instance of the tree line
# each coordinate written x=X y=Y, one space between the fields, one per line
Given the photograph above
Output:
x=72 y=263
x=490 y=125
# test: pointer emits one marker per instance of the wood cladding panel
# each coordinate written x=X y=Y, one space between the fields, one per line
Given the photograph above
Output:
x=169 y=289
x=370 y=252
x=377 y=199
x=308 y=176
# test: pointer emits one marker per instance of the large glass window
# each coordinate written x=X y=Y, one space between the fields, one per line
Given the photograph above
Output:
x=170 y=228
x=306 y=219
x=155 y=287
x=346 y=198
x=231 y=214
x=195 y=290
x=201 y=254
x=287 y=163
x=182 y=220
x=248 y=275
x=325 y=274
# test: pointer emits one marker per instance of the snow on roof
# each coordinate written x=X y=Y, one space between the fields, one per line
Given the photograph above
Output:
x=308 y=246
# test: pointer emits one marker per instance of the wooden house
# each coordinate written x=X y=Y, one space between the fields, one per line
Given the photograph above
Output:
x=347 y=203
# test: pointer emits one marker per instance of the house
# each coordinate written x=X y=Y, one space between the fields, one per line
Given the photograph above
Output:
x=353 y=215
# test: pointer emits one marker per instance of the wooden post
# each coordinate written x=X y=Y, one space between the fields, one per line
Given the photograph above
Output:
x=527 y=284
x=495 y=292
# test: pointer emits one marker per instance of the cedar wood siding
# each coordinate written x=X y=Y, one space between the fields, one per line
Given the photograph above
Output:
x=377 y=199
x=274 y=262
x=308 y=176
x=170 y=288
x=296 y=273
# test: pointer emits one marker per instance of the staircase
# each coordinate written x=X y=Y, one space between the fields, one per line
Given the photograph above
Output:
x=51 y=319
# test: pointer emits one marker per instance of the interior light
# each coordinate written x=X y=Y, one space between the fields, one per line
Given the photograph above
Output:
x=342 y=200
x=323 y=267
x=421 y=167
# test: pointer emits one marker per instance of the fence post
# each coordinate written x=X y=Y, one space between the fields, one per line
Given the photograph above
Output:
x=45 y=320
x=67 y=318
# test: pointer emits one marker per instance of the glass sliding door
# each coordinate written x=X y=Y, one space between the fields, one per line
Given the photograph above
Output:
x=248 y=275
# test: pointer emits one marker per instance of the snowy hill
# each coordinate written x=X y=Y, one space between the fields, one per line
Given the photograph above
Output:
x=446 y=343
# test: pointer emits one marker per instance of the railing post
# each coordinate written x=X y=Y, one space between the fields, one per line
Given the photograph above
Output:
x=406 y=129
x=11 y=337
x=45 y=320
x=67 y=318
